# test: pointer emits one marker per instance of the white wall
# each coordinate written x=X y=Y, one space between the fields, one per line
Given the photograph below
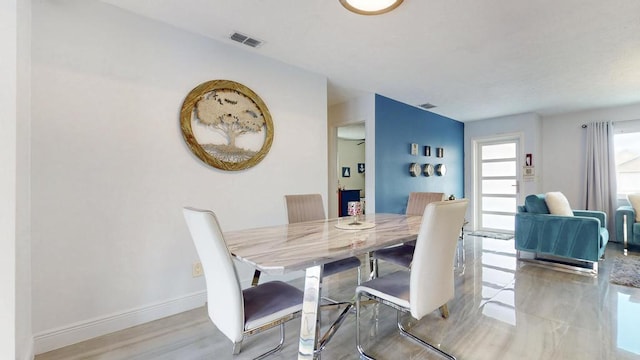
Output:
x=24 y=333
x=350 y=154
x=359 y=110
x=528 y=125
x=110 y=170
x=564 y=148
x=16 y=339
x=8 y=155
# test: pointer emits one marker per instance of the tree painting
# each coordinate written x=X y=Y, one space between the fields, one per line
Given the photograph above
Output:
x=226 y=125
x=230 y=114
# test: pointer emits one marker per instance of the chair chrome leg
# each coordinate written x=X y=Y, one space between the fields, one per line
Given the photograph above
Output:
x=363 y=355
x=373 y=266
x=376 y=267
x=624 y=234
x=275 y=349
x=256 y=278
x=404 y=332
x=401 y=327
x=237 y=346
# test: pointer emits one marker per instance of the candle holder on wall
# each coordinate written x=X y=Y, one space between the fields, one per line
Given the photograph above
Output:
x=439 y=152
x=414 y=149
x=427 y=150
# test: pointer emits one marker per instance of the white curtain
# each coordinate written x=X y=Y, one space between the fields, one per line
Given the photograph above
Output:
x=601 y=171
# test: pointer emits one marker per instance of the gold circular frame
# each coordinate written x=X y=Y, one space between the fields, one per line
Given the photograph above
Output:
x=212 y=92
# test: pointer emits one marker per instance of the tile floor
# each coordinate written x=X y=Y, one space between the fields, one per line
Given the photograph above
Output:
x=503 y=309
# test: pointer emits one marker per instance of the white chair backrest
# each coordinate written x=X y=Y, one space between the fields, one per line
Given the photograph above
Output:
x=419 y=200
x=305 y=207
x=224 y=295
x=432 y=284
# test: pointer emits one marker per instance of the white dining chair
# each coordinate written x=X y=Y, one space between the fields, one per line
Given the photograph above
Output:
x=429 y=284
x=402 y=255
x=309 y=207
x=235 y=312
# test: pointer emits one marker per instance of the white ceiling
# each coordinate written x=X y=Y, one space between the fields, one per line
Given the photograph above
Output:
x=474 y=59
x=352 y=132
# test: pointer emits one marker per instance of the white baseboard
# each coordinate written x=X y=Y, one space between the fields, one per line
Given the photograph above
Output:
x=85 y=330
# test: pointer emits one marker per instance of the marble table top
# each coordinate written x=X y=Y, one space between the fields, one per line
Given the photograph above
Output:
x=283 y=248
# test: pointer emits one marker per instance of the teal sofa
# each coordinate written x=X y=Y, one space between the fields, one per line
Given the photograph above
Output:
x=581 y=237
x=633 y=227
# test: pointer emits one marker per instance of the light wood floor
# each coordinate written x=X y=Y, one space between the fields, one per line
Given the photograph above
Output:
x=503 y=309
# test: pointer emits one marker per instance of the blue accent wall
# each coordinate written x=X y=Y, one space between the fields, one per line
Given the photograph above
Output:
x=398 y=125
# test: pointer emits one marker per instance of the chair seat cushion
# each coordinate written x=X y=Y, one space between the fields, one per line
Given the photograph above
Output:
x=269 y=301
x=400 y=255
x=341 y=265
x=393 y=287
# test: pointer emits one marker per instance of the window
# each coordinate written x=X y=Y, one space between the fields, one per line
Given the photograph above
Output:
x=627 y=152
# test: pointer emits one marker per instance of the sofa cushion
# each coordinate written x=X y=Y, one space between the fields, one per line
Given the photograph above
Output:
x=634 y=200
x=535 y=204
x=558 y=203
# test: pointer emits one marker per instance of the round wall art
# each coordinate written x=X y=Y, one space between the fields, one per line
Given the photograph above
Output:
x=226 y=125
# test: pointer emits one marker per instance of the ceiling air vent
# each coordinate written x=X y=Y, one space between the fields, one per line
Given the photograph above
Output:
x=246 y=40
x=427 y=106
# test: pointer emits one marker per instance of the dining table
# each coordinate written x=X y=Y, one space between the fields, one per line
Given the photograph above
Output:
x=307 y=246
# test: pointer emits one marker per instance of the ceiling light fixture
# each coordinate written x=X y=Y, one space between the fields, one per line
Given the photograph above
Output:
x=370 y=7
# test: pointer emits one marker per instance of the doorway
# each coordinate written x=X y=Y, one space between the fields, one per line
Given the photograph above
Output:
x=496 y=181
x=350 y=165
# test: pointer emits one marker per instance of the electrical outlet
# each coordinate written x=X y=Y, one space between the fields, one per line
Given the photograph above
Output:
x=196 y=269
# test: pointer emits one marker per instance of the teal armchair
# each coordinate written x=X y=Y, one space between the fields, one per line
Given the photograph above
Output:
x=581 y=237
x=632 y=227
